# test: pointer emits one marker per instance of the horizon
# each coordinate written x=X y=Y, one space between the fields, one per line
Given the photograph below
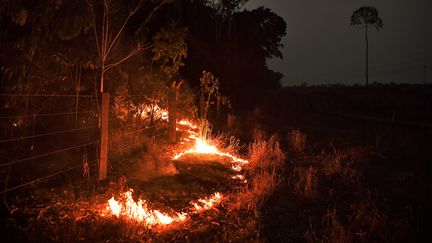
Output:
x=397 y=53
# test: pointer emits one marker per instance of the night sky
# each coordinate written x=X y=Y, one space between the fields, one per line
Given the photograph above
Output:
x=321 y=47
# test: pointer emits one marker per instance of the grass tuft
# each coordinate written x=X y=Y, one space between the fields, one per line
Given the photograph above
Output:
x=296 y=140
x=265 y=166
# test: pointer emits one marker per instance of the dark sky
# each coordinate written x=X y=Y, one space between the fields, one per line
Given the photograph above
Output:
x=322 y=47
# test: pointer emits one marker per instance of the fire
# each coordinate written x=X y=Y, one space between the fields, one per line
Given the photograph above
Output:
x=115 y=207
x=203 y=147
x=158 y=112
x=187 y=123
x=139 y=211
x=239 y=177
x=207 y=203
x=127 y=207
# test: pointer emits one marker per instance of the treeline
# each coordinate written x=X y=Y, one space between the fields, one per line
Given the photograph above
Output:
x=138 y=48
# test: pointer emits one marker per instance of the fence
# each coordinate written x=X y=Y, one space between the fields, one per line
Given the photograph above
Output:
x=51 y=140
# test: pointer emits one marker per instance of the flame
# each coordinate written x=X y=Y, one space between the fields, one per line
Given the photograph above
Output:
x=203 y=147
x=188 y=123
x=128 y=208
x=159 y=113
x=207 y=203
x=114 y=206
x=139 y=211
x=239 y=177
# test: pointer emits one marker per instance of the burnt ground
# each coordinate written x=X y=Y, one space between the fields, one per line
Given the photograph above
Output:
x=383 y=133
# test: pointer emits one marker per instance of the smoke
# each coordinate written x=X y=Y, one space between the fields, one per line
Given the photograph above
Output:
x=152 y=165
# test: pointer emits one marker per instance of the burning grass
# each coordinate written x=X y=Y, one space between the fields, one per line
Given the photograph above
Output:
x=265 y=167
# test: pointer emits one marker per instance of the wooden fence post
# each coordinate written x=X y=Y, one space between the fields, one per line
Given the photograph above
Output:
x=104 y=137
x=172 y=110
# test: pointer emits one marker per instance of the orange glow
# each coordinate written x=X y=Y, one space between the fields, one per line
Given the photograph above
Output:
x=203 y=147
x=159 y=113
x=139 y=211
x=207 y=203
x=187 y=123
x=128 y=208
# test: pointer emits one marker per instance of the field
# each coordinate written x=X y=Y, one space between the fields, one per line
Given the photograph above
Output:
x=325 y=164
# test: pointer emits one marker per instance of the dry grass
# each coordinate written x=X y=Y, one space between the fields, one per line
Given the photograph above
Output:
x=339 y=163
x=296 y=140
x=305 y=183
x=333 y=163
x=366 y=223
x=265 y=166
x=333 y=231
x=266 y=154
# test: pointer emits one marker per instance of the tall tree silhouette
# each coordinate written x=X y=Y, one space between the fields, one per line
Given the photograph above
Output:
x=367 y=17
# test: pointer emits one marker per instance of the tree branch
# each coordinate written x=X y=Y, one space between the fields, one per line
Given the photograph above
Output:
x=94 y=29
x=132 y=53
x=123 y=26
x=152 y=13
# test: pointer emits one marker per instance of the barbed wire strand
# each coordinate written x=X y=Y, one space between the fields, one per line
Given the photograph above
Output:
x=39 y=180
x=47 y=114
x=46 y=95
x=139 y=142
x=47 y=154
x=46 y=134
x=136 y=131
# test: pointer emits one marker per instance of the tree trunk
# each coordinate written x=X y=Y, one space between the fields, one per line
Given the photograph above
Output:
x=104 y=137
x=172 y=110
x=102 y=77
x=367 y=56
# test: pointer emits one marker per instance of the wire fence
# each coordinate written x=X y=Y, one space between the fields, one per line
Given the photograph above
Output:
x=39 y=180
x=65 y=135
x=46 y=95
x=47 y=154
x=46 y=134
x=47 y=114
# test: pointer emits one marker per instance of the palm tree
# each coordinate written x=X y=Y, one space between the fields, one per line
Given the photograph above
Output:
x=367 y=17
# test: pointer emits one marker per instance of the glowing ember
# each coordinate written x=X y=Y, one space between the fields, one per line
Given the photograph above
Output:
x=237 y=168
x=239 y=177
